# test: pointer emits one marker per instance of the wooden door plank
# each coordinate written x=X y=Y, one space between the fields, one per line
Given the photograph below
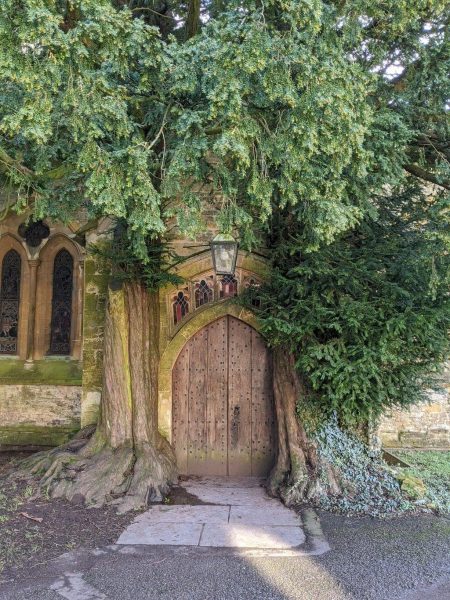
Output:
x=198 y=373
x=216 y=399
x=223 y=419
x=180 y=392
x=239 y=398
x=263 y=413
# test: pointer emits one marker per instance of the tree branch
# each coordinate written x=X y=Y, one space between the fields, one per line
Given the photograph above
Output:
x=417 y=171
x=7 y=163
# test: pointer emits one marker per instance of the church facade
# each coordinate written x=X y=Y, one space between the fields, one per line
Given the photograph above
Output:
x=215 y=369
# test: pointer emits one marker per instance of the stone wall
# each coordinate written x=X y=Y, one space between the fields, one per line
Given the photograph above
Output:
x=96 y=276
x=425 y=425
x=38 y=415
x=96 y=282
x=40 y=401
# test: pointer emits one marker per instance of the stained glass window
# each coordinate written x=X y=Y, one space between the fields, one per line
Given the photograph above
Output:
x=180 y=307
x=204 y=291
x=9 y=302
x=61 y=303
x=228 y=286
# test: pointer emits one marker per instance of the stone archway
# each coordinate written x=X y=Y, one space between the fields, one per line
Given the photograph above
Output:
x=175 y=346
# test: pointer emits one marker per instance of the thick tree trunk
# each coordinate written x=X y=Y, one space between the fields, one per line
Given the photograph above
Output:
x=299 y=475
x=126 y=461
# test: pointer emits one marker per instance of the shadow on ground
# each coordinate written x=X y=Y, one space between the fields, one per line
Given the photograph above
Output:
x=369 y=559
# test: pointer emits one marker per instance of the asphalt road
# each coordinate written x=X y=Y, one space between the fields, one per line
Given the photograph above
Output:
x=405 y=558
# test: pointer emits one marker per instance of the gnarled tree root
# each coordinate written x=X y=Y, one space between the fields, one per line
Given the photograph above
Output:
x=299 y=475
x=87 y=471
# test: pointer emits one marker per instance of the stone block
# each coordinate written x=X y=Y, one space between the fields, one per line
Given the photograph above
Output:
x=43 y=415
x=252 y=536
x=390 y=440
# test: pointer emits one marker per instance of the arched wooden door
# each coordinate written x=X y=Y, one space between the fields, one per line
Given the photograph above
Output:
x=223 y=416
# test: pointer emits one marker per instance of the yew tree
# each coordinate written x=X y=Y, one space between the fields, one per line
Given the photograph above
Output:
x=317 y=129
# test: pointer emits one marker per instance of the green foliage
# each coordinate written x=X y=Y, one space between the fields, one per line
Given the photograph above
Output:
x=412 y=487
x=366 y=316
x=274 y=106
x=154 y=271
x=433 y=467
x=67 y=112
x=369 y=487
x=267 y=118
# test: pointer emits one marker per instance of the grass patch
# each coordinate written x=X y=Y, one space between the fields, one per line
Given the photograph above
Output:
x=433 y=467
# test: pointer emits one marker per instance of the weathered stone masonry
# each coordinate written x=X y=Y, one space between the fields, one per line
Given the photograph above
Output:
x=40 y=402
x=426 y=425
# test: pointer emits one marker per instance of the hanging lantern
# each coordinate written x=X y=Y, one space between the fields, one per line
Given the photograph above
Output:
x=224 y=249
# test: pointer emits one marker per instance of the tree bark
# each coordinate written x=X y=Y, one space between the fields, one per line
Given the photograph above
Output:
x=193 y=19
x=126 y=461
x=299 y=475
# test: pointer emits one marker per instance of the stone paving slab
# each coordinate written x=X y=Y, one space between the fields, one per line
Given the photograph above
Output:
x=229 y=496
x=240 y=515
x=224 y=482
x=185 y=514
x=251 y=536
x=170 y=534
x=261 y=515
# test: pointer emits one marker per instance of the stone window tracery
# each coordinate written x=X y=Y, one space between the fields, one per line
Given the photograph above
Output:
x=61 y=320
x=41 y=295
x=10 y=302
x=204 y=291
x=228 y=286
x=180 y=306
x=207 y=288
x=34 y=233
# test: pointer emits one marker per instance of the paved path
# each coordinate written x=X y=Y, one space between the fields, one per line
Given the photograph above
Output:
x=403 y=558
x=232 y=513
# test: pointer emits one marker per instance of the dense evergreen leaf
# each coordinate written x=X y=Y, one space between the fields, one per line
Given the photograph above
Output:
x=309 y=126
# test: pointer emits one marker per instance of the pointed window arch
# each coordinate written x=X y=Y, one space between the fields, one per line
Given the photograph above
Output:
x=228 y=286
x=204 y=291
x=61 y=322
x=180 y=306
x=10 y=302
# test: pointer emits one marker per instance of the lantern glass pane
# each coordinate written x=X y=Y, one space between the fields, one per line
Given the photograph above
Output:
x=224 y=257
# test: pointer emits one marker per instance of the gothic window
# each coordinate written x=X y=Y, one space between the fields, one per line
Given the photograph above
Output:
x=204 y=291
x=9 y=302
x=180 y=307
x=61 y=322
x=228 y=286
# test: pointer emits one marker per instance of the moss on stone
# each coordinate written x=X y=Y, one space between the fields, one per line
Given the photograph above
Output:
x=36 y=435
x=50 y=371
x=413 y=487
x=96 y=278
